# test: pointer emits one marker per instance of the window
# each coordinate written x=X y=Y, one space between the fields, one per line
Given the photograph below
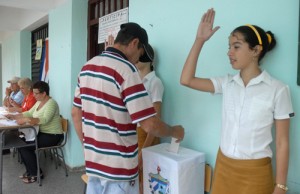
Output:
x=97 y=9
x=39 y=33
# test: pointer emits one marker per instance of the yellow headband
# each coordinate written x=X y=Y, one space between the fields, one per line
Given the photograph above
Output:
x=256 y=32
x=269 y=38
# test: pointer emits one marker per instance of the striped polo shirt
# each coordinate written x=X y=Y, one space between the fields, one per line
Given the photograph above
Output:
x=113 y=99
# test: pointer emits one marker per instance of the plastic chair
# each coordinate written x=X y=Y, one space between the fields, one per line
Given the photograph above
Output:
x=54 y=149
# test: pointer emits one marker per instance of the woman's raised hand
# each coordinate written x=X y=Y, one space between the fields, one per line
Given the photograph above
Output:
x=205 y=29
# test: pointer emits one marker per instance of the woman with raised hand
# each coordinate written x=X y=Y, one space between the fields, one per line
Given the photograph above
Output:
x=253 y=101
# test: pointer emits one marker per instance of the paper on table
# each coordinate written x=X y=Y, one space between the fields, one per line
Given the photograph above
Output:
x=3 y=117
x=174 y=146
x=8 y=122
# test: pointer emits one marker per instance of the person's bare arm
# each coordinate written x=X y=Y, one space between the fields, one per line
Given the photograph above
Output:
x=150 y=137
x=282 y=153
x=77 y=120
x=7 y=97
x=14 y=104
x=205 y=31
x=15 y=109
x=158 y=128
x=109 y=42
x=28 y=120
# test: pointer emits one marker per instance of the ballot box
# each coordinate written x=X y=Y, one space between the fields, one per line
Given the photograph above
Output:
x=165 y=172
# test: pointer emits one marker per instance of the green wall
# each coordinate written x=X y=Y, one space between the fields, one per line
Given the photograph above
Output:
x=172 y=27
x=16 y=57
x=67 y=53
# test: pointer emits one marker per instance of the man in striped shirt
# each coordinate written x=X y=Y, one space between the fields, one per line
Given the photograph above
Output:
x=110 y=99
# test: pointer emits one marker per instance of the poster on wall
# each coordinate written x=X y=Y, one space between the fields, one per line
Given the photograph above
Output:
x=44 y=65
x=39 y=48
x=110 y=24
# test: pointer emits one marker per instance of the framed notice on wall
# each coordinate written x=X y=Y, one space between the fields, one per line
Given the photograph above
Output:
x=110 y=24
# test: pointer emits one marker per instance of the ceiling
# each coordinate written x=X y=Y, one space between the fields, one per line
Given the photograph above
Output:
x=17 y=15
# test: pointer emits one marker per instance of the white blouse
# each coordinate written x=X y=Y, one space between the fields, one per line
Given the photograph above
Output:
x=249 y=112
x=154 y=87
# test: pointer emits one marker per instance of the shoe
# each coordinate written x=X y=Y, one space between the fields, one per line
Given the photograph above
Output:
x=24 y=175
x=30 y=179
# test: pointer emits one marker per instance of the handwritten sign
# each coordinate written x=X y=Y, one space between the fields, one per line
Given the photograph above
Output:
x=110 y=24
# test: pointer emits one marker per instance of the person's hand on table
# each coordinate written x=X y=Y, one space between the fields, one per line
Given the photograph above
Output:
x=10 y=117
x=23 y=121
x=12 y=102
x=11 y=109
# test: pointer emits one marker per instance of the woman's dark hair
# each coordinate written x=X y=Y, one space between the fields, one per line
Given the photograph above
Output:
x=267 y=38
x=42 y=87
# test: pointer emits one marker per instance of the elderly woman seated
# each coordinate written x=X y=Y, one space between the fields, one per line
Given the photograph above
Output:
x=44 y=113
x=25 y=85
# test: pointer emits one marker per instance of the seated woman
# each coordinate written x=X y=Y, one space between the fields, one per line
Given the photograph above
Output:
x=44 y=113
x=25 y=85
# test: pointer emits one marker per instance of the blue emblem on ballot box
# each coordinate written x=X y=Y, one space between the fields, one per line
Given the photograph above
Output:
x=158 y=184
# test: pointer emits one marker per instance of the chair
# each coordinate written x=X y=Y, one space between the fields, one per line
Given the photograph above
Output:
x=84 y=178
x=54 y=149
x=208 y=178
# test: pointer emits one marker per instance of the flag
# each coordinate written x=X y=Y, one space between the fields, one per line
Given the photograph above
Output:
x=44 y=67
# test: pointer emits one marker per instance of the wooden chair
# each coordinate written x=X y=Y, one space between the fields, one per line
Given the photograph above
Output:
x=84 y=178
x=57 y=150
x=208 y=178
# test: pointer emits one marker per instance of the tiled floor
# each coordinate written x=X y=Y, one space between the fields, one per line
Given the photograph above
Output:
x=54 y=182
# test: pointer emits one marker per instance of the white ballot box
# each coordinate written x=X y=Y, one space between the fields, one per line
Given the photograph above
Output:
x=165 y=172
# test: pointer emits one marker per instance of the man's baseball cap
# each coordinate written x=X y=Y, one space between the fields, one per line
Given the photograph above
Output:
x=13 y=80
x=138 y=32
x=145 y=58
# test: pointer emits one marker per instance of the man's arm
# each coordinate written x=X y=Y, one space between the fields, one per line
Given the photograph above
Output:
x=77 y=120
x=158 y=128
x=6 y=98
x=6 y=101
